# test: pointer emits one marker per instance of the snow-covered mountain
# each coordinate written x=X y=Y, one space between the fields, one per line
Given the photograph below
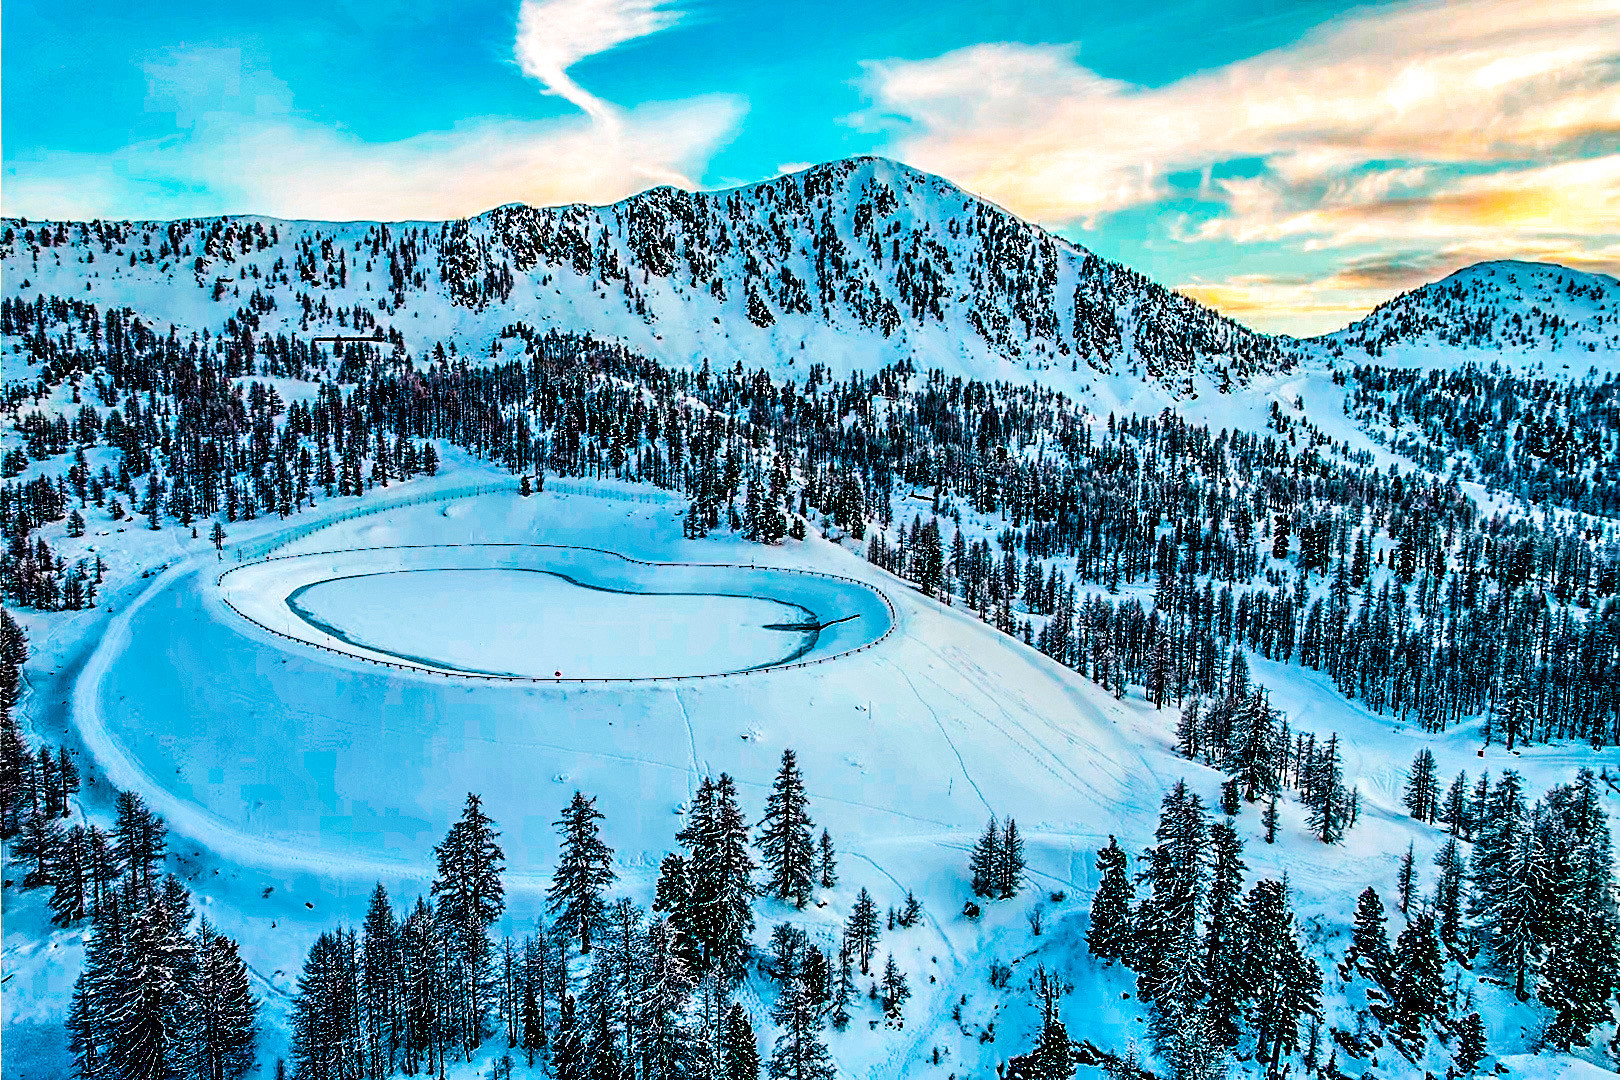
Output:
x=853 y=264
x=1521 y=310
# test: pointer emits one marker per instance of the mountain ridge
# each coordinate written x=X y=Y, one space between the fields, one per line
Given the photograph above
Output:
x=854 y=264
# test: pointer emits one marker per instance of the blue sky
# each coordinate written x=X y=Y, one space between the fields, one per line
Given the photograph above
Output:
x=1291 y=163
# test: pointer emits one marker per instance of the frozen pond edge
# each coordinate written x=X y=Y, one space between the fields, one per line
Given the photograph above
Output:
x=851 y=637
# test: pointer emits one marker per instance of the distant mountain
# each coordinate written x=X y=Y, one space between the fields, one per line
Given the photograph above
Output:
x=1519 y=309
x=853 y=264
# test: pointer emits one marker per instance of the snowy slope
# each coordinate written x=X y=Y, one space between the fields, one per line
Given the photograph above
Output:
x=1519 y=312
x=854 y=264
x=292 y=780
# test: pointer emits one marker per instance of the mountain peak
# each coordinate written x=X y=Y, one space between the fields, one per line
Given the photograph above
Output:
x=1515 y=307
x=852 y=264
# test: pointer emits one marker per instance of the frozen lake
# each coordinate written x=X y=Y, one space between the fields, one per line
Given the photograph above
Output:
x=536 y=611
x=536 y=623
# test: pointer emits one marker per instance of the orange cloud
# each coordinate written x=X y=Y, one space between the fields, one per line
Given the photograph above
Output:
x=1482 y=82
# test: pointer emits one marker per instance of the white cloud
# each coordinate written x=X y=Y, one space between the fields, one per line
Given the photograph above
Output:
x=240 y=147
x=554 y=35
x=292 y=168
x=1435 y=87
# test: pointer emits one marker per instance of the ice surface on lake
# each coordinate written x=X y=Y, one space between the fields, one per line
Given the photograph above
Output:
x=534 y=623
x=554 y=611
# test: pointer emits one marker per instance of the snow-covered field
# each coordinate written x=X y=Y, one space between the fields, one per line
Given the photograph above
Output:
x=293 y=778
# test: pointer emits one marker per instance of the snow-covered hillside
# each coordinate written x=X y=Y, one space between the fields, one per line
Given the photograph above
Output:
x=1517 y=311
x=853 y=264
x=1319 y=621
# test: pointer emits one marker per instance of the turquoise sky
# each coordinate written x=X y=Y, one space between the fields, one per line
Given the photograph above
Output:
x=1292 y=163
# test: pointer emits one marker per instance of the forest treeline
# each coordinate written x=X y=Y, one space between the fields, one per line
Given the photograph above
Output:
x=1395 y=583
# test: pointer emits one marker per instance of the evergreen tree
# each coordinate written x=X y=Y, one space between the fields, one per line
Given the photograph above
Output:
x=799 y=1052
x=739 y=1050
x=325 y=1029
x=146 y=1014
x=1008 y=870
x=584 y=869
x=1284 y=983
x=1453 y=813
x=1369 y=940
x=1053 y=1056
x=1422 y=795
x=1169 y=954
x=894 y=991
x=1448 y=891
x=826 y=862
x=1418 y=978
x=568 y=1047
x=1579 y=977
x=381 y=978
x=1470 y=1050
x=1406 y=880
x=720 y=869
x=1226 y=935
x=469 y=897
x=982 y=863
x=862 y=929
x=785 y=841
x=221 y=1025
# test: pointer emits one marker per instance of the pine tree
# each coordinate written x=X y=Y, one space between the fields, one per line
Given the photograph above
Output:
x=1514 y=910
x=1454 y=808
x=1470 y=1050
x=862 y=929
x=1252 y=759
x=1422 y=795
x=799 y=1053
x=584 y=869
x=221 y=1024
x=1284 y=983
x=739 y=1050
x=894 y=990
x=1448 y=891
x=69 y=899
x=88 y=1023
x=826 y=862
x=1009 y=864
x=720 y=869
x=1406 y=881
x=1269 y=820
x=568 y=1047
x=1110 y=933
x=785 y=843
x=145 y=1015
x=982 y=863
x=382 y=970
x=1226 y=935
x=665 y=985
x=1369 y=940
x=1579 y=977
x=1418 y=979
x=469 y=898
x=1053 y=1056
x=1169 y=954
x=1327 y=799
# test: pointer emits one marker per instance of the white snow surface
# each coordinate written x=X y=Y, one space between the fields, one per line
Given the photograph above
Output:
x=554 y=612
x=293 y=779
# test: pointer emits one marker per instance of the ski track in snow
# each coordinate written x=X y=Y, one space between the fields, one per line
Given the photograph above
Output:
x=966 y=775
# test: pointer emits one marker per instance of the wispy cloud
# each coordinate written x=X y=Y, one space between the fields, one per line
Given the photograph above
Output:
x=1445 y=122
x=554 y=35
x=239 y=144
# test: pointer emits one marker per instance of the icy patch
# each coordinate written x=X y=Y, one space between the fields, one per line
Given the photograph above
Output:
x=517 y=611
